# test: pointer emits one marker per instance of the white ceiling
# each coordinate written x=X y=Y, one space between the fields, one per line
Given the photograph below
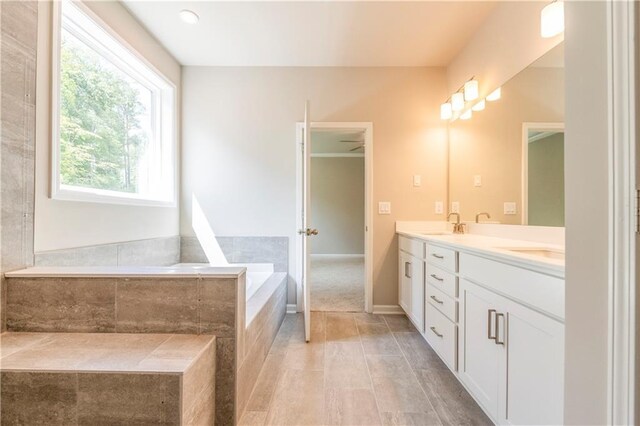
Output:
x=326 y=33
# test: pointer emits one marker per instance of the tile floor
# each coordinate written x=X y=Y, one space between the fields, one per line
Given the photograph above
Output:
x=359 y=369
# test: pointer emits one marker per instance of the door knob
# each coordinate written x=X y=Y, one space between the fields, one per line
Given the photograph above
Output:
x=308 y=232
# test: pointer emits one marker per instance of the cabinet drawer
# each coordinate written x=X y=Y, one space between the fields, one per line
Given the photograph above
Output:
x=411 y=246
x=442 y=280
x=445 y=304
x=442 y=257
x=441 y=334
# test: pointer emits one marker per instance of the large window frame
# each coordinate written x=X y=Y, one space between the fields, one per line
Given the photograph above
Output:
x=88 y=28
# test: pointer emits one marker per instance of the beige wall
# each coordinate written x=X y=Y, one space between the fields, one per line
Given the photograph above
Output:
x=239 y=143
x=64 y=224
x=506 y=43
x=587 y=213
x=337 y=205
x=490 y=143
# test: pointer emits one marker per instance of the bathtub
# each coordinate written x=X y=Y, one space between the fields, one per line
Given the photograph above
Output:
x=257 y=273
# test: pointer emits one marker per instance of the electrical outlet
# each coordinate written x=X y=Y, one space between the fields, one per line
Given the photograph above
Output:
x=455 y=207
x=439 y=208
x=417 y=180
x=384 y=207
x=510 y=208
x=477 y=181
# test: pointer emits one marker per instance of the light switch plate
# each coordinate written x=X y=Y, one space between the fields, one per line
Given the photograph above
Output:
x=477 y=181
x=455 y=207
x=417 y=180
x=384 y=207
x=510 y=208
x=439 y=207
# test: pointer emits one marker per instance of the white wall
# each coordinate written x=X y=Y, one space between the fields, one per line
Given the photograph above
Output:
x=337 y=205
x=506 y=43
x=587 y=213
x=65 y=224
x=239 y=145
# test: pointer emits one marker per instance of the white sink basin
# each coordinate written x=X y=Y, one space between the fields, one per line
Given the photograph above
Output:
x=549 y=253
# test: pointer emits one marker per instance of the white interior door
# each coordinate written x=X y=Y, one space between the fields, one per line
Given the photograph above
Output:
x=306 y=230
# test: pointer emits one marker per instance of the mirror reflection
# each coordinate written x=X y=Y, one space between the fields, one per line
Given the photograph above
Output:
x=506 y=162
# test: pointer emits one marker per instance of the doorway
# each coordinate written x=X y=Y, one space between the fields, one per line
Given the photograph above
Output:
x=340 y=193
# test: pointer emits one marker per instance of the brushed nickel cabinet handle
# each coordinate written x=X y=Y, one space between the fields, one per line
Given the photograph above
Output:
x=435 y=277
x=437 y=256
x=436 y=300
x=435 y=332
x=498 y=342
x=489 y=313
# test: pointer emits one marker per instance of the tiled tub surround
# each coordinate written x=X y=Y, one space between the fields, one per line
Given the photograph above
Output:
x=241 y=250
x=138 y=300
x=162 y=251
x=105 y=378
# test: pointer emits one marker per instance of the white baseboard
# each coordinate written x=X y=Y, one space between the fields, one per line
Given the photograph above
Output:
x=329 y=256
x=388 y=309
x=292 y=308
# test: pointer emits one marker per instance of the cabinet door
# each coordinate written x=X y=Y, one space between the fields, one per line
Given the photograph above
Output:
x=404 y=282
x=534 y=368
x=479 y=355
x=417 y=293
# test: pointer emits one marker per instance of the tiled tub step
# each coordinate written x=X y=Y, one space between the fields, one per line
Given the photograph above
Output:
x=107 y=378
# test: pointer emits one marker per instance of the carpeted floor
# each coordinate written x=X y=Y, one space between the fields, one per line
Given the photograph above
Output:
x=337 y=284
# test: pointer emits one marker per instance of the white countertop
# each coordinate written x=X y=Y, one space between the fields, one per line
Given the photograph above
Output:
x=497 y=248
x=127 y=271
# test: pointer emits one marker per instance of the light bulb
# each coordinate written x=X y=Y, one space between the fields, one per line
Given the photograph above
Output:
x=457 y=101
x=466 y=115
x=479 y=106
x=471 y=90
x=445 y=111
x=189 y=16
x=552 y=19
x=495 y=95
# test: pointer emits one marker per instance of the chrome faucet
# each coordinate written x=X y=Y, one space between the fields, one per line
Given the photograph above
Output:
x=482 y=214
x=458 y=228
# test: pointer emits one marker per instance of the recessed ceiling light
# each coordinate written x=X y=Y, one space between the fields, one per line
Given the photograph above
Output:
x=189 y=16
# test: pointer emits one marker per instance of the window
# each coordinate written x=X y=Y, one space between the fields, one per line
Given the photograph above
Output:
x=113 y=116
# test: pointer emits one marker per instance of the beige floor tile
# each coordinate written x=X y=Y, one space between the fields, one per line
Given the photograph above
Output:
x=253 y=418
x=399 y=323
x=305 y=356
x=340 y=327
x=266 y=384
x=351 y=407
x=353 y=348
x=409 y=419
x=400 y=394
x=378 y=340
x=299 y=399
x=346 y=371
x=364 y=318
x=389 y=366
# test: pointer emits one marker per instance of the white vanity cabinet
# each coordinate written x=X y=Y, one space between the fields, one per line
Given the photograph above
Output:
x=511 y=353
x=411 y=280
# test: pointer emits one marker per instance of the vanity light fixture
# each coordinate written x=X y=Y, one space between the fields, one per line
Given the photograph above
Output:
x=466 y=115
x=495 y=95
x=189 y=16
x=479 y=106
x=457 y=101
x=552 y=19
x=445 y=111
x=471 y=90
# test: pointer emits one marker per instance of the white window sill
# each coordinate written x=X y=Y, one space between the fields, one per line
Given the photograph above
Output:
x=90 y=195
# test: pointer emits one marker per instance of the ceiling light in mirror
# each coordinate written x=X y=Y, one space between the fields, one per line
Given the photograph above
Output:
x=479 y=106
x=189 y=16
x=552 y=19
x=466 y=115
x=495 y=95
x=471 y=90
x=457 y=101
x=445 y=111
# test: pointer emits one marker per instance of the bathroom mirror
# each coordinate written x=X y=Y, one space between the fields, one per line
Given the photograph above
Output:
x=507 y=160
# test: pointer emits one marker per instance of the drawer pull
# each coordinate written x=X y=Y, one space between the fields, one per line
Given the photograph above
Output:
x=437 y=256
x=498 y=342
x=435 y=277
x=489 y=314
x=407 y=269
x=435 y=332
x=436 y=300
